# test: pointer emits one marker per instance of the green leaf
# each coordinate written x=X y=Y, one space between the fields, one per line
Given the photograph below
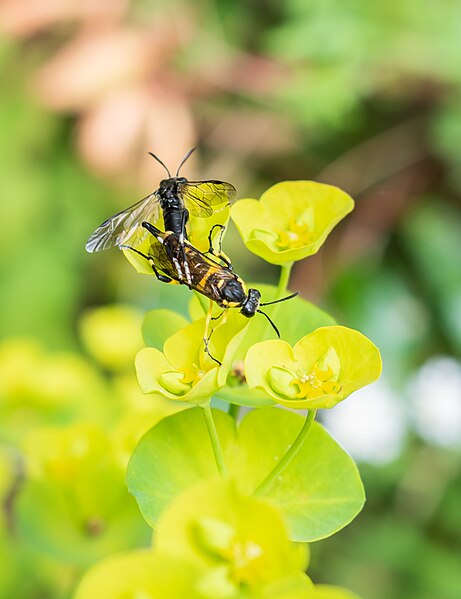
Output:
x=319 y=492
x=242 y=395
x=294 y=318
x=174 y=455
x=302 y=318
x=158 y=325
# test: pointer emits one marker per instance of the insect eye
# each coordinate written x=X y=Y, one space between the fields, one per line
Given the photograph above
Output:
x=248 y=310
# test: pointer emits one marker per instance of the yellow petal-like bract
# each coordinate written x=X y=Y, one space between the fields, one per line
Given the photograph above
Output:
x=321 y=370
x=291 y=220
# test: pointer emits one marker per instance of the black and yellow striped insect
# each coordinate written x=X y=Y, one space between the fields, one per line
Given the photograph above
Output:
x=209 y=273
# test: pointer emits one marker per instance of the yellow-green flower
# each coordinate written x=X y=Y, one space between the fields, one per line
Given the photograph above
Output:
x=291 y=220
x=42 y=388
x=239 y=543
x=66 y=455
x=112 y=335
x=184 y=371
x=74 y=489
x=140 y=574
x=321 y=370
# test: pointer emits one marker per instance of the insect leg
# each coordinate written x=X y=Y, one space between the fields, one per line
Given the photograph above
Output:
x=154 y=231
x=206 y=336
x=224 y=320
x=184 y=217
x=173 y=256
x=161 y=238
x=159 y=276
x=218 y=254
x=219 y=315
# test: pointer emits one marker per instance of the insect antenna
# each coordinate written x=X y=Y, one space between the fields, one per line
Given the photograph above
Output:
x=184 y=160
x=283 y=299
x=271 y=322
x=158 y=160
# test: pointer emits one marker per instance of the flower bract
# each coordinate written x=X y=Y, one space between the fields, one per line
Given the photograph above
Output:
x=321 y=370
x=139 y=574
x=184 y=371
x=240 y=542
x=291 y=220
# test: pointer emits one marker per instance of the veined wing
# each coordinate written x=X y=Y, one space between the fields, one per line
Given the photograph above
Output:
x=162 y=261
x=201 y=198
x=117 y=229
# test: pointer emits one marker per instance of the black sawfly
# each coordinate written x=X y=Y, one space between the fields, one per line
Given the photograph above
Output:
x=175 y=198
x=209 y=273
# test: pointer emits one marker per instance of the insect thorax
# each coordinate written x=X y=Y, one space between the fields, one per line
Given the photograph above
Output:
x=174 y=213
x=168 y=191
x=232 y=292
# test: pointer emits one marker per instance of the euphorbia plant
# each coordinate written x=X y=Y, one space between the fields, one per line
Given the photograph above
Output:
x=230 y=501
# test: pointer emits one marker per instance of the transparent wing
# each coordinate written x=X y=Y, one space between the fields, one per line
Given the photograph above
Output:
x=201 y=198
x=117 y=229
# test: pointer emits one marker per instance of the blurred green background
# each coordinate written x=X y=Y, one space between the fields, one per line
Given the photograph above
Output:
x=364 y=95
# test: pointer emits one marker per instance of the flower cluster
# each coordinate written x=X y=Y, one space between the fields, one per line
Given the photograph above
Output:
x=234 y=503
x=212 y=542
x=328 y=363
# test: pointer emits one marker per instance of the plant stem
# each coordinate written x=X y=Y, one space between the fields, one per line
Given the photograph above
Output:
x=234 y=410
x=215 y=443
x=290 y=454
x=285 y=271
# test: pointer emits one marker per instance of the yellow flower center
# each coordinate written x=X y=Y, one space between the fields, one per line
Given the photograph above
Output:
x=316 y=383
x=194 y=374
x=243 y=558
x=180 y=381
x=296 y=235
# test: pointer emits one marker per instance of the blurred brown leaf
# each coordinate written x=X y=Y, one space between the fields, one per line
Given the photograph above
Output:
x=23 y=19
x=107 y=136
x=115 y=136
x=91 y=65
